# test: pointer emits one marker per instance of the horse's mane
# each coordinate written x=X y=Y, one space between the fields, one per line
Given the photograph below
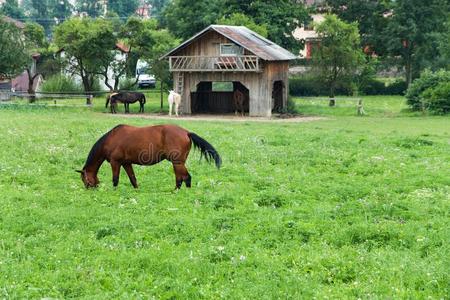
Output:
x=97 y=146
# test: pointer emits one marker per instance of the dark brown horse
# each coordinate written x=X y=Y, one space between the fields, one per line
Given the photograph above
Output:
x=126 y=145
x=126 y=98
x=238 y=101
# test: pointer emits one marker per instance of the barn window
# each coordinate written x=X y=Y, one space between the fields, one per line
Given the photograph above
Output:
x=231 y=50
x=222 y=86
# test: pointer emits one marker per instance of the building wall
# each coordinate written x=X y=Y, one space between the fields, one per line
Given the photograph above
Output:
x=308 y=33
x=259 y=84
x=207 y=45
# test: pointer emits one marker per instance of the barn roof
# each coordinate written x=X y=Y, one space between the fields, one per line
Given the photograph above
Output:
x=246 y=38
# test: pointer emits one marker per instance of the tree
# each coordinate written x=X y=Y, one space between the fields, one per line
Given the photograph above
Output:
x=444 y=46
x=163 y=41
x=11 y=9
x=239 y=19
x=88 y=45
x=92 y=8
x=124 y=8
x=339 y=54
x=158 y=7
x=411 y=33
x=370 y=15
x=35 y=44
x=13 y=55
x=48 y=12
x=280 y=17
x=136 y=34
x=184 y=18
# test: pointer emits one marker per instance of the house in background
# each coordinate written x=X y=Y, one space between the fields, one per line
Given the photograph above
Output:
x=219 y=60
x=306 y=32
x=21 y=82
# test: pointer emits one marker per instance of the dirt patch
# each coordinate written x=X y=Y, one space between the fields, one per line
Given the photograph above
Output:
x=224 y=118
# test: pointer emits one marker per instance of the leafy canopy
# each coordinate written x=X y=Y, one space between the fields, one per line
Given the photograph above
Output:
x=339 y=54
x=239 y=19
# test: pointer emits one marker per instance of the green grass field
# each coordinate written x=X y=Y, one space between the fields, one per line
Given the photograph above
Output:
x=345 y=207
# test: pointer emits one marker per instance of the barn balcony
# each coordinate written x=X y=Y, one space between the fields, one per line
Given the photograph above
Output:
x=242 y=63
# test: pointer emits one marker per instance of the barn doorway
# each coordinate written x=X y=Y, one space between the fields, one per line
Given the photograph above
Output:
x=217 y=97
x=277 y=96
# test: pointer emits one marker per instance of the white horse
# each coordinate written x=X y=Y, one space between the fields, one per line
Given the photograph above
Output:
x=174 y=98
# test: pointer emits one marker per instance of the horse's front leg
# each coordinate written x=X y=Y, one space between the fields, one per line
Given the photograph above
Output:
x=170 y=109
x=130 y=172
x=115 y=166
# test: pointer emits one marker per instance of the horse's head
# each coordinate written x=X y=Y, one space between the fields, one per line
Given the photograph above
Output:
x=89 y=179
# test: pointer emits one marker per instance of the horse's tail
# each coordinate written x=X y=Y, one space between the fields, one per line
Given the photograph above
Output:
x=107 y=101
x=206 y=149
x=143 y=99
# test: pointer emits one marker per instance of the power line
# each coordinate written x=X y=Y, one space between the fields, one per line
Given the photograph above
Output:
x=56 y=19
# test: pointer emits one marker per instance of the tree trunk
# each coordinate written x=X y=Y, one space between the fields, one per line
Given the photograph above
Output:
x=332 y=91
x=408 y=71
x=30 y=91
x=87 y=88
x=161 y=95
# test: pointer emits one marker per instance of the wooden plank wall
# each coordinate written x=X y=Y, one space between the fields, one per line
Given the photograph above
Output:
x=260 y=84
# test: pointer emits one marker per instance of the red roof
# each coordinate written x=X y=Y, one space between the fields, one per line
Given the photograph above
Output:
x=122 y=47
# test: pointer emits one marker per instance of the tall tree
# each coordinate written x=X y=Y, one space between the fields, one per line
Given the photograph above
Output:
x=163 y=41
x=239 y=19
x=371 y=18
x=48 y=12
x=184 y=18
x=13 y=54
x=11 y=9
x=124 y=8
x=339 y=54
x=411 y=33
x=136 y=35
x=281 y=18
x=36 y=43
x=88 y=45
x=93 y=8
x=158 y=7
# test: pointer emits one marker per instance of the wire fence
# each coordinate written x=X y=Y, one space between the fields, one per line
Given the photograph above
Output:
x=57 y=99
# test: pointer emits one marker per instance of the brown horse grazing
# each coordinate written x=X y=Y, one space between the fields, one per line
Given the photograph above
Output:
x=125 y=145
x=238 y=101
x=126 y=98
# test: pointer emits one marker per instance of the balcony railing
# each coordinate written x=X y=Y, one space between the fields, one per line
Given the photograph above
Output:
x=244 y=63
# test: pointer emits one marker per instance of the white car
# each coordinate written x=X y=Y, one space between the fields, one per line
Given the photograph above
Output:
x=146 y=80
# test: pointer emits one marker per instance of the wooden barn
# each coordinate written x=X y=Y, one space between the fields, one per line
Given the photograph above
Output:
x=220 y=59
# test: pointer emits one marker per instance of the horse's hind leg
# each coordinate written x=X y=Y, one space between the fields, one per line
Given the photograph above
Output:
x=176 y=108
x=181 y=174
x=129 y=169
x=115 y=166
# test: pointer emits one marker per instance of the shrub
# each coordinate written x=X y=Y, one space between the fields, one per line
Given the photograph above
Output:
x=374 y=87
x=378 y=87
x=61 y=83
x=426 y=81
x=312 y=86
x=437 y=99
x=398 y=87
x=127 y=83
